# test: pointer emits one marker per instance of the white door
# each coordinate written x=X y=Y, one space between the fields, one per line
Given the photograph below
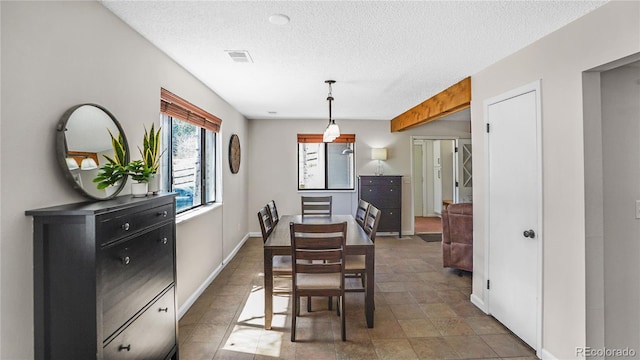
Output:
x=514 y=203
x=463 y=190
x=418 y=179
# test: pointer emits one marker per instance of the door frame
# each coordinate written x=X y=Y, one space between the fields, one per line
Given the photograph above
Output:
x=535 y=86
x=423 y=137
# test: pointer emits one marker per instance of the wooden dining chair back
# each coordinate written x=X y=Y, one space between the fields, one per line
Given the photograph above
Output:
x=355 y=265
x=361 y=212
x=371 y=222
x=281 y=264
x=274 y=212
x=317 y=252
x=266 y=224
x=316 y=205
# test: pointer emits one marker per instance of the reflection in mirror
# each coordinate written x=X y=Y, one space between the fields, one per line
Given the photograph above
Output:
x=83 y=141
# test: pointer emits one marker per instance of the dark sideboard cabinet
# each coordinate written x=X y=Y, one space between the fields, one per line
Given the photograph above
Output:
x=105 y=279
x=385 y=193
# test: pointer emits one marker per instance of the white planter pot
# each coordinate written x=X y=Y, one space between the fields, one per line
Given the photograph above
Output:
x=139 y=189
x=154 y=183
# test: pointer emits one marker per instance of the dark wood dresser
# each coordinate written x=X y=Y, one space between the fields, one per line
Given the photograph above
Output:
x=105 y=278
x=385 y=193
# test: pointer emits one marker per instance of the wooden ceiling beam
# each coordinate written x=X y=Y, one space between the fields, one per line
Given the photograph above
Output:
x=453 y=99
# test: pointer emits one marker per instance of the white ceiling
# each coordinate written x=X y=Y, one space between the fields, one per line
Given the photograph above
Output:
x=386 y=56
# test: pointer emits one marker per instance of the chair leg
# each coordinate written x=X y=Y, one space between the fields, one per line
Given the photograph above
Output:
x=342 y=318
x=296 y=309
x=330 y=303
x=308 y=303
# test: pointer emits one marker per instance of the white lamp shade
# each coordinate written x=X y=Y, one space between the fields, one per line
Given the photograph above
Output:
x=88 y=164
x=72 y=164
x=379 y=154
x=331 y=133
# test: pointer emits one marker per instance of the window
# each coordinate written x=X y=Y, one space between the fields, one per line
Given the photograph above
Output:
x=326 y=166
x=189 y=169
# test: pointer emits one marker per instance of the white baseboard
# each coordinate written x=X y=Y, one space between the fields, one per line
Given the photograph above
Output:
x=479 y=303
x=196 y=294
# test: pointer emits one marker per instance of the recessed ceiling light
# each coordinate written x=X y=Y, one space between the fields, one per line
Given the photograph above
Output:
x=279 y=19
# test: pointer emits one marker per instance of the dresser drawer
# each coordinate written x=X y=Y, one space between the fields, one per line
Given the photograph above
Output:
x=134 y=272
x=125 y=222
x=151 y=336
x=380 y=180
x=382 y=196
x=389 y=220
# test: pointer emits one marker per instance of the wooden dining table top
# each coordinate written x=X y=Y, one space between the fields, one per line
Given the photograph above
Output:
x=280 y=237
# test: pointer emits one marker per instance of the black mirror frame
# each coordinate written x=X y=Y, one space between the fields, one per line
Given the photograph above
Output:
x=61 y=151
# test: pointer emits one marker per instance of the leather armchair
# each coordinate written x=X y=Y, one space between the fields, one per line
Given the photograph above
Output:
x=457 y=236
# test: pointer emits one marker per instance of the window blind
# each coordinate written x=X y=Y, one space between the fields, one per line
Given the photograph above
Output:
x=317 y=138
x=177 y=107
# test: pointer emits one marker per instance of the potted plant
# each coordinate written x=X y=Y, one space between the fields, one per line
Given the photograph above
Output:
x=151 y=154
x=139 y=172
x=114 y=171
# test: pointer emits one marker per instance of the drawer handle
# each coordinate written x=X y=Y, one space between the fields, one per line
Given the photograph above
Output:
x=164 y=240
x=122 y=347
x=125 y=226
x=125 y=260
x=163 y=213
x=164 y=310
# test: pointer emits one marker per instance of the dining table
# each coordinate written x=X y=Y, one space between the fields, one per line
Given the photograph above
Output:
x=279 y=243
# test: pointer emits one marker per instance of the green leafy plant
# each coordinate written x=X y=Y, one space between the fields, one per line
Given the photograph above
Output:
x=115 y=168
x=138 y=170
x=150 y=151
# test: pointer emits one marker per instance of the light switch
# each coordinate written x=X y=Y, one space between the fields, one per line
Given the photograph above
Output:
x=637 y=209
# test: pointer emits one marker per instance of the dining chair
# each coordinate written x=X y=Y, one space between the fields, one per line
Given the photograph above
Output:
x=281 y=263
x=274 y=212
x=361 y=212
x=371 y=222
x=318 y=252
x=355 y=265
x=316 y=205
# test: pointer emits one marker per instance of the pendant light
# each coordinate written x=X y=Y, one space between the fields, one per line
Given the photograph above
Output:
x=332 y=131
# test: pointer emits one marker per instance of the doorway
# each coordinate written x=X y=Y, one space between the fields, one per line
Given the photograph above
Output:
x=437 y=172
x=612 y=175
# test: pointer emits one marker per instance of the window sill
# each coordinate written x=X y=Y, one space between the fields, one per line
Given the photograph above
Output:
x=201 y=210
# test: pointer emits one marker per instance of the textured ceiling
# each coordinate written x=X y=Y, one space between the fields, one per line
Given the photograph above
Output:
x=386 y=56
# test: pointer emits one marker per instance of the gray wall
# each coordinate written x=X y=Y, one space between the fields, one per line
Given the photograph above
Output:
x=58 y=54
x=273 y=159
x=608 y=33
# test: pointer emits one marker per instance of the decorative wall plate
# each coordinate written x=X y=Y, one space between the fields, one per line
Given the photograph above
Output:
x=234 y=154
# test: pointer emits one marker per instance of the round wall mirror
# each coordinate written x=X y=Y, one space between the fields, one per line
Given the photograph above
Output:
x=82 y=142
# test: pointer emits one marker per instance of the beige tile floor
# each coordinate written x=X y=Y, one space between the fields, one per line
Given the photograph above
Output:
x=422 y=312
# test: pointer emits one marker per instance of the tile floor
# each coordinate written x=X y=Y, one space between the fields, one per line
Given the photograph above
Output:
x=422 y=312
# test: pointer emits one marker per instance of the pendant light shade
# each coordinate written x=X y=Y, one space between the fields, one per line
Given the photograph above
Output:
x=88 y=164
x=332 y=131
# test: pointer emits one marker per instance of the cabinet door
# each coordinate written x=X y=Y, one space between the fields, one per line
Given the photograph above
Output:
x=382 y=196
x=133 y=273
x=151 y=336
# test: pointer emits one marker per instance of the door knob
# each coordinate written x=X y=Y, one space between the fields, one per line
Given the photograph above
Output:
x=529 y=233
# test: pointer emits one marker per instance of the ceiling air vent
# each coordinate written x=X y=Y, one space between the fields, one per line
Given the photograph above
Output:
x=239 y=56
